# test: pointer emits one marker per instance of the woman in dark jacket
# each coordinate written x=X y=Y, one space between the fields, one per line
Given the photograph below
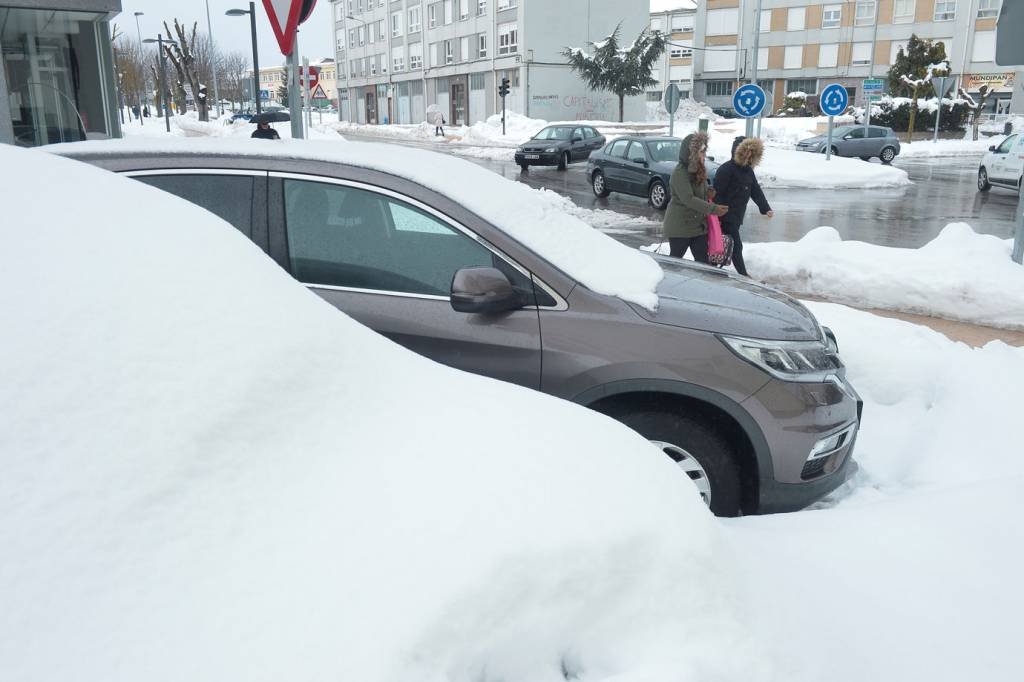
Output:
x=686 y=216
x=735 y=185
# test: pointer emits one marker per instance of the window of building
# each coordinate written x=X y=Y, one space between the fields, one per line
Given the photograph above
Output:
x=447 y=11
x=805 y=85
x=396 y=24
x=794 y=57
x=945 y=10
x=861 y=54
x=718 y=88
x=984 y=49
x=720 y=60
x=682 y=23
x=481 y=8
x=762 y=57
x=988 y=8
x=903 y=11
x=380 y=31
x=481 y=45
x=508 y=38
x=464 y=44
x=894 y=49
x=683 y=48
x=865 y=13
x=362 y=35
x=416 y=56
x=507 y=4
x=832 y=16
x=658 y=24
x=415 y=19
x=449 y=55
x=795 y=18
x=722 y=22
x=828 y=56
x=432 y=16
x=767 y=84
x=351 y=38
x=679 y=73
x=766 y=21
x=463 y=9
x=656 y=75
x=373 y=65
x=654 y=95
x=398 y=58
x=371 y=34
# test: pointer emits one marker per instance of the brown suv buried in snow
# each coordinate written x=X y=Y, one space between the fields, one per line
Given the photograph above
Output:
x=736 y=382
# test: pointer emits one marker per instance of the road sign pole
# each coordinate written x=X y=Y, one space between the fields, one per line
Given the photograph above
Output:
x=294 y=102
x=1018 y=236
x=828 y=149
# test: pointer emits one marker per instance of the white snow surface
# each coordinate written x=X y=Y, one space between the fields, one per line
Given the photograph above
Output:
x=189 y=125
x=959 y=275
x=536 y=218
x=211 y=474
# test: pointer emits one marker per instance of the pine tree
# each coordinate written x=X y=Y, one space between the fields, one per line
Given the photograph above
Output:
x=282 y=90
x=912 y=72
x=624 y=72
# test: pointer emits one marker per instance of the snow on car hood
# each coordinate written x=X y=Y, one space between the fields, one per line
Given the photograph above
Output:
x=211 y=474
x=533 y=217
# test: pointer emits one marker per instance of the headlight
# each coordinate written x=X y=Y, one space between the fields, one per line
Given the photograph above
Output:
x=520 y=149
x=551 y=150
x=811 y=361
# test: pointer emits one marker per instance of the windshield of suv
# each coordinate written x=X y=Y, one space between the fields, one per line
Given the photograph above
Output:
x=553 y=134
x=664 y=150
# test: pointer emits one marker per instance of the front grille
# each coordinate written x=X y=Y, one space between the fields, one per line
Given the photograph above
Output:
x=814 y=468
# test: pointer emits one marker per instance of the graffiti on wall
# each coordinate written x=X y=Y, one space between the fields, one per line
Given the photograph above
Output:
x=568 y=107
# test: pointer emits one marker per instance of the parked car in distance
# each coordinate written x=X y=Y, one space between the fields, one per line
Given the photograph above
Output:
x=241 y=116
x=637 y=165
x=851 y=141
x=736 y=382
x=1003 y=165
x=725 y=112
x=559 y=146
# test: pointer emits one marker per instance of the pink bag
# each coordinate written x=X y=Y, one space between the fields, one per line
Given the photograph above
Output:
x=719 y=245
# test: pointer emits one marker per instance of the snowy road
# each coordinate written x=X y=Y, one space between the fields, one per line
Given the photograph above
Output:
x=944 y=191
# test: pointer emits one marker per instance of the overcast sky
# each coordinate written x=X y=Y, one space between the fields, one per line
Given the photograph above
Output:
x=316 y=38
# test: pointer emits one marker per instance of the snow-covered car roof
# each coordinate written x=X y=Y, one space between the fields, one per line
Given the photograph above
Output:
x=209 y=473
x=536 y=218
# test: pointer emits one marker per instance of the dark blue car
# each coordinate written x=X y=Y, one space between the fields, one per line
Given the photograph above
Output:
x=638 y=165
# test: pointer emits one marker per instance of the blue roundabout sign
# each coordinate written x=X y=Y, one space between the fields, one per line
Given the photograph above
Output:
x=749 y=100
x=834 y=100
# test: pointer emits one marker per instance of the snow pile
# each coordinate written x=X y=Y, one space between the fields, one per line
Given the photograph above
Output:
x=790 y=168
x=518 y=129
x=927 y=148
x=189 y=125
x=960 y=275
x=689 y=110
x=536 y=218
x=203 y=480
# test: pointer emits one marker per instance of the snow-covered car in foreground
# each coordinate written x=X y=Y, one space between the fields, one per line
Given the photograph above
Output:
x=1003 y=165
x=736 y=382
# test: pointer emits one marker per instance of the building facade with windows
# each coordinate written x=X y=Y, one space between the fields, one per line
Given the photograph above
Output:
x=676 y=66
x=57 y=71
x=806 y=44
x=272 y=78
x=397 y=57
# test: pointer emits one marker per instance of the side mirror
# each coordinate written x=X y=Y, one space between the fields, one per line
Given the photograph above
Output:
x=642 y=162
x=991 y=147
x=484 y=291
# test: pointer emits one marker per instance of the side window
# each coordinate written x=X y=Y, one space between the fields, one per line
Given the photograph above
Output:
x=577 y=133
x=857 y=134
x=877 y=132
x=589 y=133
x=636 y=151
x=227 y=196
x=1006 y=145
x=351 y=237
x=618 y=148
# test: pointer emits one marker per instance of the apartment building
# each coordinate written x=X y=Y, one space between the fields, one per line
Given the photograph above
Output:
x=273 y=77
x=806 y=44
x=676 y=20
x=397 y=57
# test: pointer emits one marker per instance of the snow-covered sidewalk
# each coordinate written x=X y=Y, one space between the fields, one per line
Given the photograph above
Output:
x=960 y=275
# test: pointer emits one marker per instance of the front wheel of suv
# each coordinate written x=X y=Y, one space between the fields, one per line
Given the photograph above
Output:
x=887 y=155
x=702 y=455
x=563 y=161
x=983 y=184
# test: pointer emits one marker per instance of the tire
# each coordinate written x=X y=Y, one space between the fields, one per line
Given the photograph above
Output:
x=689 y=441
x=835 y=150
x=983 y=184
x=597 y=183
x=887 y=155
x=563 y=161
x=524 y=167
x=658 y=195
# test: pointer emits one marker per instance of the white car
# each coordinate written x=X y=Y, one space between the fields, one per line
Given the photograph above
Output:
x=1003 y=165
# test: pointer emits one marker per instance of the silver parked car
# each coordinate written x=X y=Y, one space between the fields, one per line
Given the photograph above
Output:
x=736 y=382
x=852 y=141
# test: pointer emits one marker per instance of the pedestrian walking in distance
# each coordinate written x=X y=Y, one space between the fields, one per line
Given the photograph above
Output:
x=686 y=218
x=265 y=132
x=439 y=129
x=735 y=185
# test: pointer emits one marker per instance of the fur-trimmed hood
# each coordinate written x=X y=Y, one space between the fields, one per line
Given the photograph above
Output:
x=689 y=155
x=748 y=152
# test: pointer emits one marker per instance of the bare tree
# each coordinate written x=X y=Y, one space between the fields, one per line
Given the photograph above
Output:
x=182 y=55
x=234 y=75
x=976 y=107
x=131 y=67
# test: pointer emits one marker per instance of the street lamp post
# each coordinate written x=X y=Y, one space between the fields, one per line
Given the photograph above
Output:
x=160 y=40
x=255 y=52
x=213 y=58
x=145 y=81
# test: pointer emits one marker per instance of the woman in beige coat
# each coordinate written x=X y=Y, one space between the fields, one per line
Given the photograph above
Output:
x=686 y=217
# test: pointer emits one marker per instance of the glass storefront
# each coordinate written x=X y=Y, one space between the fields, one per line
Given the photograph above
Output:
x=55 y=65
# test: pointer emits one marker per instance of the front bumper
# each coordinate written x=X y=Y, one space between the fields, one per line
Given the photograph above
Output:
x=543 y=158
x=795 y=417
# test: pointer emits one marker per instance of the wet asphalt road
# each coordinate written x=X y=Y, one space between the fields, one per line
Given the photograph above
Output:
x=944 y=191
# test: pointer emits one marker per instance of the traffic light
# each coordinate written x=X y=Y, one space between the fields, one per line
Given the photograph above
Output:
x=503 y=88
